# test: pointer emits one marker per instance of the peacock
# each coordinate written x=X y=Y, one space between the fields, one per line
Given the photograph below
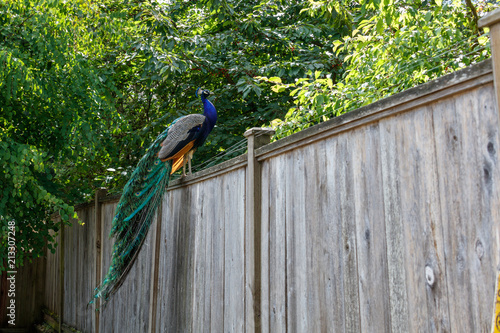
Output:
x=143 y=192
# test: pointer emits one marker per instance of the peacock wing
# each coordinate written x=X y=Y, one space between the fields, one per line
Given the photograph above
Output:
x=185 y=130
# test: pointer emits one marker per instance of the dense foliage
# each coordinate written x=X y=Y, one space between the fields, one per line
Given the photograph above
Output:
x=399 y=45
x=55 y=114
x=85 y=86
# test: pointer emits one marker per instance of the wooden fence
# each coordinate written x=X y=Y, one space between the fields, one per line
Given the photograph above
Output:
x=385 y=219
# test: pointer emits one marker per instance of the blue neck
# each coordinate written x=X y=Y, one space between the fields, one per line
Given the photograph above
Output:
x=209 y=112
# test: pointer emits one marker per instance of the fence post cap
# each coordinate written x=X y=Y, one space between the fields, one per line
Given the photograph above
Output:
x=259 y=131
x=489 y=19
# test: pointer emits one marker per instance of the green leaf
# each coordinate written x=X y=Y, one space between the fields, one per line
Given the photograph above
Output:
x=380 y=26
x=336 y=45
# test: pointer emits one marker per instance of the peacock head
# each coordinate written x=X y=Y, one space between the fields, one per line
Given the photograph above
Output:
x=203 y=93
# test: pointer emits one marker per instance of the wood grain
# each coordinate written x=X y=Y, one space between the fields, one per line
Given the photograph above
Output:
x=370 y=231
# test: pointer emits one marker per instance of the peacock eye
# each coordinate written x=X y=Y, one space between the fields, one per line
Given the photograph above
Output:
x=149 y=170
x=138 y=193
x=157 y=162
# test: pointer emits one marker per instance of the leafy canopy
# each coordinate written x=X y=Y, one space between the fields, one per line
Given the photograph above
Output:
x=395 y=45
x=55 y=117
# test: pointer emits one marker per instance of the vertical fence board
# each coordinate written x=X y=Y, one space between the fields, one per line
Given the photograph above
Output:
x=462 y=177
x=370 y=231
x=296 y=243
x=165 y=266
x=277 y=247
x=487 y=229
x=200 y=264
x=419 y=202
x=85 y=269
x=69 y=276
x=184 y=263
x=234 y=263
x=394 y=226
x=107 y=312
x=265 y=308
x=314 y=277
x=207 y=218
x=218 y=235
x=347 y=216
x=322 y=242
x=52 y=277
x=333 y=241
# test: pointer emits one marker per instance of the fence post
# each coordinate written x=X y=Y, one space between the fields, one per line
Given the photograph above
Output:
x=257 y=137
x=98 y=254
x=492 y=20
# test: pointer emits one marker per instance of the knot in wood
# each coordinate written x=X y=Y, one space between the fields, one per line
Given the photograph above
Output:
x=429 y=276
x=479 y=249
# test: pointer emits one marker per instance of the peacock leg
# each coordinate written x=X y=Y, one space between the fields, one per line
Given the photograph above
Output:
x=184 y=167
x=189 y=157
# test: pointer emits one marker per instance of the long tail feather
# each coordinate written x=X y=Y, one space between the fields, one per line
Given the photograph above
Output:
x=135 y=212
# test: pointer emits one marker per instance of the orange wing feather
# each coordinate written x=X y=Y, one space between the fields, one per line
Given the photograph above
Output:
x=178 y=159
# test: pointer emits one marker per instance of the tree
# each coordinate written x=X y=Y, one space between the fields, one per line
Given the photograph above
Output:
x=55 y=116
x=395 y=45
x=86 y=86
x=224 y=46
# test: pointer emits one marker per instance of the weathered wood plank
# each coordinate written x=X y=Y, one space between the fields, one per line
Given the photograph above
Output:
x=277 y=308
x=176 y=253
x=234 y=263
x=155 y=257
x=184 y=262
x=345 y=191
x=69 y=276
x=200 y=263
x=394 y=226
x=485 y=250
x=217 y=319
x=425 y=273
x=331 y=231
x=370 y=230
x=296 y=244
x=106 y=324
x=52 y=277
x=86 y=267
x=164 y=322
x=456 y=126
x=49 y=279
x=466 y=162
x=264 y=311
x=313 y=269
x=208 y=218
